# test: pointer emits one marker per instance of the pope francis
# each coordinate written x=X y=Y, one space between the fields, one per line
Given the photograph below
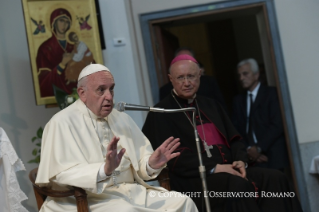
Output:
x=101 y=150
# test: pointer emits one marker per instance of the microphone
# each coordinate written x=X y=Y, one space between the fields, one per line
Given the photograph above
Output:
x=122 y=106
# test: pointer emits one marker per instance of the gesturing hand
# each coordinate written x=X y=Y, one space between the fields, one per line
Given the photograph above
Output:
x=113 y=158
x=164 y=153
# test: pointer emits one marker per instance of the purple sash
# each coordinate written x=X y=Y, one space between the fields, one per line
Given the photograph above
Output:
x=213 y=136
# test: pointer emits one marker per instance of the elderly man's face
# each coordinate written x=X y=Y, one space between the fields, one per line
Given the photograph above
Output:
x=248 y=79
x=99 y=92
x=185 y=77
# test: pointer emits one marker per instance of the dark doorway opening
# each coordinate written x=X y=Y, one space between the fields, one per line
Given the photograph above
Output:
x=219 y=42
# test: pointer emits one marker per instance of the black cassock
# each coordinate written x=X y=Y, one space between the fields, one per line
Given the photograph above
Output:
x=184 y=173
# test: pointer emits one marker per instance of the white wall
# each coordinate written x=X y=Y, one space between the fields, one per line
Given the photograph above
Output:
x=120 y=60
x=299 y=32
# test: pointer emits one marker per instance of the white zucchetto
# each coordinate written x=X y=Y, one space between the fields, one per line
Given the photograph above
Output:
x=92 y=68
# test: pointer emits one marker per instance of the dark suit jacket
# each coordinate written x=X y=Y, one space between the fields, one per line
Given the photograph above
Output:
x=267 y=125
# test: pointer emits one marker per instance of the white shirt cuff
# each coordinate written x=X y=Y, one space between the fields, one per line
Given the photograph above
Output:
x=212 y=170
x=151 y=171
x=101 y=175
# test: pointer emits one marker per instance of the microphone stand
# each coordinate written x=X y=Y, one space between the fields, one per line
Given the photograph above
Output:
x=202 y=169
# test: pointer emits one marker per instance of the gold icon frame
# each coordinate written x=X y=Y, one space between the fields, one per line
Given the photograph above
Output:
x=38 y=32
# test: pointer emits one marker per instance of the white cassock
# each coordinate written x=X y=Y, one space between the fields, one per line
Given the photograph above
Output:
x=73 y=150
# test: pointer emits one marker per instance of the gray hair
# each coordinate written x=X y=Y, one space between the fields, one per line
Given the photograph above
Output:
x=253 y=64
x=82 y=83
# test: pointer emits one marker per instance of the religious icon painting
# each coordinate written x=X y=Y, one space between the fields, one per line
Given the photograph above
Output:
x=63 y=38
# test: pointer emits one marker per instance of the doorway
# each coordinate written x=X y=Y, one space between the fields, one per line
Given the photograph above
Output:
x=219 y=41
x=221 y=34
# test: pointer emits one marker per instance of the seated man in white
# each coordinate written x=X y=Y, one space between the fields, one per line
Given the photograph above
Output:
x=93 y=146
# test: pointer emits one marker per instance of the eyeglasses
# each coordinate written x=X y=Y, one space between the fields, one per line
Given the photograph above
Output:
x=189 y=77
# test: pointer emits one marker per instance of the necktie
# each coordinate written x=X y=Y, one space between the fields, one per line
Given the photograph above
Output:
x=250 y=127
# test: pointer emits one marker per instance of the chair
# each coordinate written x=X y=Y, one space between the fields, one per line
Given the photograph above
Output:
x=41 y=193
x=163 y=179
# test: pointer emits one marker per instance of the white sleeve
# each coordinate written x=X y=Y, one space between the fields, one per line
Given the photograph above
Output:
x=82 y=176
x=151 y=172
x=101 y=175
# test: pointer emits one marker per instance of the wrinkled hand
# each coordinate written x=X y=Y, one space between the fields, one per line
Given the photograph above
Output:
x=164 y=153
x=262 y=158
x=113 y=158
x=240 y=166
x=253 y=153
x=237 y=168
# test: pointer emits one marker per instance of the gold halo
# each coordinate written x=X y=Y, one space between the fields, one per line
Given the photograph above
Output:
x=56 y=6
x=67 y=35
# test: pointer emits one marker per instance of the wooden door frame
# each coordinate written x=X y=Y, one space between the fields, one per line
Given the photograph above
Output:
x=148 y=19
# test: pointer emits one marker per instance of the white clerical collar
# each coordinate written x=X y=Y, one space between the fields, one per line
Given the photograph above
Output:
x=188 y=100
x=255 y=91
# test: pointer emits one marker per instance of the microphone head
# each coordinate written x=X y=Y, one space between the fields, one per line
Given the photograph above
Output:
x=120 y=106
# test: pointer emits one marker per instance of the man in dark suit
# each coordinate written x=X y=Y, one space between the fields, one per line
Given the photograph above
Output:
x=257 y=117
